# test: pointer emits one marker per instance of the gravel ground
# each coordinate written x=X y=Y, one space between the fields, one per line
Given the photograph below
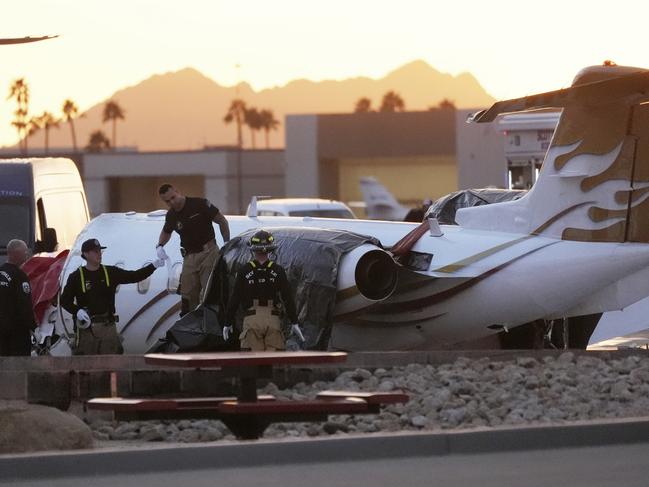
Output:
x=464 y=394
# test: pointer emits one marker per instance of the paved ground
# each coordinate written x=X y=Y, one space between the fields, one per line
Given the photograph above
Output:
x=611 y=465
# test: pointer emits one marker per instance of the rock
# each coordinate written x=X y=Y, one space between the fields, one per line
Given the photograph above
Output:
x=386 y=386
x=331 y=427
x=29 y=427
x=419 y=421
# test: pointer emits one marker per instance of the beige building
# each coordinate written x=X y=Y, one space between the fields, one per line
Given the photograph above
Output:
x=416 y=155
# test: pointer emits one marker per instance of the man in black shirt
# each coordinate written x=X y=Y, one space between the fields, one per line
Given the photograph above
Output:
x=16 y=311
x=89 y=295
x=258 y=288
x=192 y=218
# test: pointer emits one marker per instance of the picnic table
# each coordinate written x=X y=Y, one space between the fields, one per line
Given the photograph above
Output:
x=248 y=414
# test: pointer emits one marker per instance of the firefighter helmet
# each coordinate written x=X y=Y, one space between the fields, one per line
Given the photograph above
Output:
x=262 y=241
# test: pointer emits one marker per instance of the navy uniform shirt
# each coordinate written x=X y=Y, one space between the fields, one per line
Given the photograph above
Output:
x=16 y=310
x=193 y=223
x=264 y=282
x=97 y=291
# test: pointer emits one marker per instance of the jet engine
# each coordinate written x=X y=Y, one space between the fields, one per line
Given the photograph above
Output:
x=366 y=275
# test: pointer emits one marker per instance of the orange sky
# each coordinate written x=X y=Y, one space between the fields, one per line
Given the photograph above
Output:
x=513 y=47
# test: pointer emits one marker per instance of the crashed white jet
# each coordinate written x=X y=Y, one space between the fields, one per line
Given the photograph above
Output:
x=576 y=244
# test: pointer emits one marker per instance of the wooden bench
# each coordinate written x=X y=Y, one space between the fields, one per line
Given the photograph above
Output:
x=374 y=399
x=144 y=409
x=249 y=420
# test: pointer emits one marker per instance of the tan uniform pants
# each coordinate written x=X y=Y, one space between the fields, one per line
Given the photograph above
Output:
x=195 y=273
x=98 y=339
x=262 y=331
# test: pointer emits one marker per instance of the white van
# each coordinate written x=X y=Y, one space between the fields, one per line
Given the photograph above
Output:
x=315 y=207
x=42 y=202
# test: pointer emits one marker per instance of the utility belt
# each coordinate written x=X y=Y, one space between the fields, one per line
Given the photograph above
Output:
x=262 y=306
x=104 y=319
x=210 y=244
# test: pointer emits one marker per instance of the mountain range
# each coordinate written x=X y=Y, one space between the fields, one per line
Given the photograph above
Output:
x=184 y=109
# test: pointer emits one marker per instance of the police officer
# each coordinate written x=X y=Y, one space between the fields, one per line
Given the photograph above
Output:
x=16 y=311
x=258 y=288
x=89 y=295
x=192 y=218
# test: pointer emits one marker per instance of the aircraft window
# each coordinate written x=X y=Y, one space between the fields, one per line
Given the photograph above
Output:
x=174 y=277
x=418 y=261
x=143 y=286
x=339 y=213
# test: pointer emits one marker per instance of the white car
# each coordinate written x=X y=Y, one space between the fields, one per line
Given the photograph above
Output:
x=315 y=207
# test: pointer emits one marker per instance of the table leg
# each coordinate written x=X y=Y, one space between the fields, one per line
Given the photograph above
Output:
x=248 y=376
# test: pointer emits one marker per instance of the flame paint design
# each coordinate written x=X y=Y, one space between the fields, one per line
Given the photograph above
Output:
x=598 y=131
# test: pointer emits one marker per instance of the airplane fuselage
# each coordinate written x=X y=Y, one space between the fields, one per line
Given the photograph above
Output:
x=465 y=282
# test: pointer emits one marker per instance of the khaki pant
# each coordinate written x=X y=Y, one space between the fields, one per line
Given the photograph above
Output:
x=262 y=331
x=98 y=339
x=195 y=273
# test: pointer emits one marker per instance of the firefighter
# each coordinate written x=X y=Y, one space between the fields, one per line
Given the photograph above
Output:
x=89 y=295
x=16 y=311
x=260 y=288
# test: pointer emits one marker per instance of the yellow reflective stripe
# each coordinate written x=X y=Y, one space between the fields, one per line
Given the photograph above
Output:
x=270 y=262
x=252 y=264
x=83 y=280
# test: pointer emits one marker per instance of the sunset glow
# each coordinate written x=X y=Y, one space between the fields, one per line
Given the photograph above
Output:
x=513 y=48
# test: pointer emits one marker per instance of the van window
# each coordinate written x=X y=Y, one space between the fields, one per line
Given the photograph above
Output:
x=268 y=213
x=15 y=217
x=66 y=213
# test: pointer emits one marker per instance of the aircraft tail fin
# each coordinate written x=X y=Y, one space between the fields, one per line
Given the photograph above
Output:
x=594 y=183
x=380 y=203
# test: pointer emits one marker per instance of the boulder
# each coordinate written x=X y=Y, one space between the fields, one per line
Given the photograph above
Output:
x=30 y=427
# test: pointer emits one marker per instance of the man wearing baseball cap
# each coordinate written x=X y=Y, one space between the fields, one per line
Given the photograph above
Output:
x=89 y=295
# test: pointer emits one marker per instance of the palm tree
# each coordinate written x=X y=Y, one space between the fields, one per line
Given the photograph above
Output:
x=47 y=121
x=112 y=111
x=33 y=125
x=268 y=123
x=392 y=102
x=363 y=105
x=252 y=117
x=446 y=104
x=20 y=91
x=236 y=113
x=97 y=142
x=70 y=111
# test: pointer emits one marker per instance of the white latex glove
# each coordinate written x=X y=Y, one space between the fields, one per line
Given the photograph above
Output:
x=38 y=336
x=227 y=331
x=160 y=251
x=295 y=330
x=83 y=319
x=158 y=263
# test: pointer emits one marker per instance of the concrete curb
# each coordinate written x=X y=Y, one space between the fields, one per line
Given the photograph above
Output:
x=266 y=452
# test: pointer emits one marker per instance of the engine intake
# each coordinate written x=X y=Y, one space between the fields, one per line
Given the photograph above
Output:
x=376 y=275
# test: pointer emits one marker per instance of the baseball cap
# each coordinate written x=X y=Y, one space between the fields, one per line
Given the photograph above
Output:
x=91 y=244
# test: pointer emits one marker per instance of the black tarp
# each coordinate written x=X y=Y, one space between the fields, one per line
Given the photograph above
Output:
x=311 y=258
x=444 y=208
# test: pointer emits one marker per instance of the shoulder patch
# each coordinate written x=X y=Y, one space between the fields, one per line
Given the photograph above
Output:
x=26 y=288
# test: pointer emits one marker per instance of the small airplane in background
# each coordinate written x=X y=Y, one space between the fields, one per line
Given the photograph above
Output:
x=380 y=204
